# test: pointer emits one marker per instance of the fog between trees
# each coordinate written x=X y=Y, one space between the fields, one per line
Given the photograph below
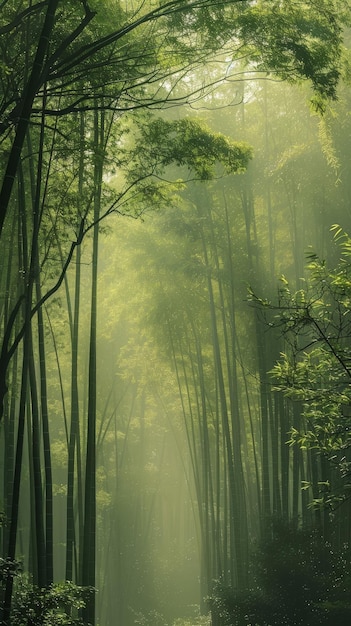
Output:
x=199 y=346
x=148 y=450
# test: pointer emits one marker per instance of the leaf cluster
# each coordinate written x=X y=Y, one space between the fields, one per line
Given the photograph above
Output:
x=189 y=142
x=315 y=368
x=57 y=605
x=296 y=40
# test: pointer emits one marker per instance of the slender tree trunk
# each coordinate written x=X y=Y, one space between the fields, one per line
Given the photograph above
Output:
x=71 y=538
x=27 y=269
x=12 y=271
x=39 y=556
x=49 y=516
x=284 y=456
x=89 y=537
x=11 y=551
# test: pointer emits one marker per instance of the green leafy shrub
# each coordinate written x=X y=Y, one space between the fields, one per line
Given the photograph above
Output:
x=298 y=578
x=56 y=606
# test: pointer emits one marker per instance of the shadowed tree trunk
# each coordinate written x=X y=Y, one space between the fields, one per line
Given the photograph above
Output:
x=89 y=532
x=72 y=536
x=30 y=92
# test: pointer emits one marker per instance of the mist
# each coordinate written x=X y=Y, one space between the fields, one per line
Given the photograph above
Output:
x=175 y=295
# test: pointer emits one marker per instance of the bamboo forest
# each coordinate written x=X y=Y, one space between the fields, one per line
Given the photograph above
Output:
x=175 y=312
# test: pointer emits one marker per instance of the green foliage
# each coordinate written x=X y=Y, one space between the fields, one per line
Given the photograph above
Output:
x=298 y=579
x=56 y=606
x=189 y=142
x=8 y=569
x=297 y=40
x=199 y=620
x=315 y=367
